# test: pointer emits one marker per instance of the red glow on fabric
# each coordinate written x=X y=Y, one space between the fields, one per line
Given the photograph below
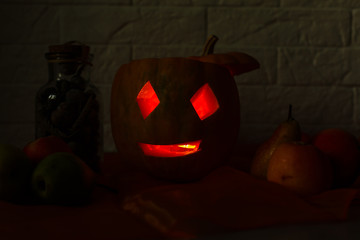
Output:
x=205 y=102
x=172 y=150
x=147 y=99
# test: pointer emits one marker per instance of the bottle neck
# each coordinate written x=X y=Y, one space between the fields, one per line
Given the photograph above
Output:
x=68 y=71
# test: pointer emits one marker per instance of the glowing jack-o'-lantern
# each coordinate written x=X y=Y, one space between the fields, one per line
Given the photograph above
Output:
x=178 y=118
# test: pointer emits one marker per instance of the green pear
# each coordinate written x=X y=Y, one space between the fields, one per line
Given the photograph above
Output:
x=15 y=174
x=287 y=131
x=63 y=179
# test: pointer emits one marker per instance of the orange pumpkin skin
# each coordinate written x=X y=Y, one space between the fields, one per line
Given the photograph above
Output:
x=174 y=120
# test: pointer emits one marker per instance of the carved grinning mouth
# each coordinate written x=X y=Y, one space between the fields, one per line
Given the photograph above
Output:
x=171 y=150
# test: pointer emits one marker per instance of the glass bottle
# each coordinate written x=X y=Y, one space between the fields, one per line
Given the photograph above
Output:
x=69 y=105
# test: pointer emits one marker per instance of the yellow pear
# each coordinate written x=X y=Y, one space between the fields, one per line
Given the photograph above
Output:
x=288 y=130
x=301 y=168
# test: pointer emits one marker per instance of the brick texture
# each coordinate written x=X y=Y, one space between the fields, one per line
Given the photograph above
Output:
x=313 y=66
x=321 y=4
x=308 y=51
x=24 y=24
x=280 y=27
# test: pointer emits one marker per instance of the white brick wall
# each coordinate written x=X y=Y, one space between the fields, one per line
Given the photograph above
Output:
x=309 y=53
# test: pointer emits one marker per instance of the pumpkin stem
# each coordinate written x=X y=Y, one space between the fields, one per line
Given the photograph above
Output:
x=290 y=113
x=209 y=45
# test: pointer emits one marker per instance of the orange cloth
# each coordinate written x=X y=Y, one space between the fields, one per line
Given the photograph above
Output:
x=228 y=200
x=102 y=219
x=225 y=200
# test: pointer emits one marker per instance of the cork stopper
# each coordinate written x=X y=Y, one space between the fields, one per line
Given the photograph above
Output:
x=73 y=50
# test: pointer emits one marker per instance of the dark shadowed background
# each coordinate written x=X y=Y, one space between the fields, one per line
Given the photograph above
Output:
x=309 y=53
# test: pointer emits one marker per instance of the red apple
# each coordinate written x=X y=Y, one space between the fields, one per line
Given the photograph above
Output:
x=343 y=149
x=44 y=146
x=301 y=168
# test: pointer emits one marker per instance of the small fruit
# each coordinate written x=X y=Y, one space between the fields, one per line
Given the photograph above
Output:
x=64 y=179
x=343 y=149
x=15 y=174
x=44 y=146
x=301 y=168
x=285 y=132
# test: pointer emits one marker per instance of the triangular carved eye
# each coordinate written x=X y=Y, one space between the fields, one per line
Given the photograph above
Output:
x=147 y=99
x=204 y=102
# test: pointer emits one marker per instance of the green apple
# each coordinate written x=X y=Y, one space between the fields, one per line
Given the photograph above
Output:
x=64 y=179
x=15 y=174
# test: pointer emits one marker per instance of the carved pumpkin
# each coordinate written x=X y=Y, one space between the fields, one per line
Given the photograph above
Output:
x=178 y=118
